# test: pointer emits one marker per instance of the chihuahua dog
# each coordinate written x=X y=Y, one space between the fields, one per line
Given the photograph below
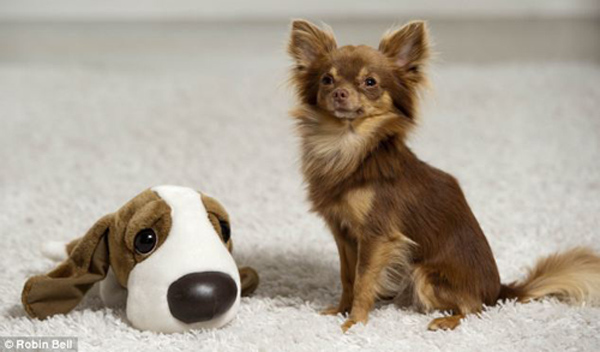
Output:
x=402 y=227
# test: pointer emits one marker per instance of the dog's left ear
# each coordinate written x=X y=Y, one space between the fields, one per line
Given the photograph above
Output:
x=59 y=291
x=408 y=46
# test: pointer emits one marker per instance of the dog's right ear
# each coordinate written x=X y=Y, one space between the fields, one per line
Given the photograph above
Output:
x=308 y=42
x=60 y=290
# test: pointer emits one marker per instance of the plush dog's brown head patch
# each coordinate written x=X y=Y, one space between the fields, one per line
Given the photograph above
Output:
x=358 y=82
x=142 y=225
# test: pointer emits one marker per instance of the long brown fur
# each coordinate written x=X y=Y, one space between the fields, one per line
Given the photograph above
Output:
x=401 y=226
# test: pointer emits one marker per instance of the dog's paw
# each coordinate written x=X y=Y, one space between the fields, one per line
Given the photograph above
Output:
x=350 y=322
x=334 y=310
x=444 y=323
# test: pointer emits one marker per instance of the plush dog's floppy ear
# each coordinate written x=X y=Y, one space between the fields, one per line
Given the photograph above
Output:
x=308 y=42
x=219 y=218
x=407 y=46
x=250 y=280
x=60 y=290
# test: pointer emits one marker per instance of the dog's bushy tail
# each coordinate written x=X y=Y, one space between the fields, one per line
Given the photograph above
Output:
x=572 y=276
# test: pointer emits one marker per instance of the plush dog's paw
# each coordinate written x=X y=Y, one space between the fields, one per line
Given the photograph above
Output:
x=55 y=250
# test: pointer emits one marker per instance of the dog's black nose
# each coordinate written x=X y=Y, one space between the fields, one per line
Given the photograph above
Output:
x=201 y=296
x=340 y=94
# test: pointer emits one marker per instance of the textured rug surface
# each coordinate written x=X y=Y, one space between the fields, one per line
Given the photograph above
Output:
x=77 y=142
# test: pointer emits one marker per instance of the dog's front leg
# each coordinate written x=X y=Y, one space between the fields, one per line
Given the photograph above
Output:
x=347 y=249
x=374 y=254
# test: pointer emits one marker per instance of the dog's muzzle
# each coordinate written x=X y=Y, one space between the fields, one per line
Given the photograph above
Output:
x=201 y=296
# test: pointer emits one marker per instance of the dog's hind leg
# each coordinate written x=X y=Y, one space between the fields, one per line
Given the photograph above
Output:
x=433 y=292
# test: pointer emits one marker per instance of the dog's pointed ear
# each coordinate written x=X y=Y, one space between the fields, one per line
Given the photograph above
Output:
x=60 y=290
x=407 y=46
x=249 y=279
x=309 y=42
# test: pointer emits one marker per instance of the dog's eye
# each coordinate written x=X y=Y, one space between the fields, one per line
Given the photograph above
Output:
x=327 y=80
x=225 y=230
x=371 y=82
x=145 y=241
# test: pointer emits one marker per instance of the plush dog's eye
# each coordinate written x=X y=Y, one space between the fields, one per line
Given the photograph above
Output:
x=225 y=230
x=145 y=241
x=327 y=80
x=371 y=82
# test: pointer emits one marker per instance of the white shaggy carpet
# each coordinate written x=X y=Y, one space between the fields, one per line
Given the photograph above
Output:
x=77 y=142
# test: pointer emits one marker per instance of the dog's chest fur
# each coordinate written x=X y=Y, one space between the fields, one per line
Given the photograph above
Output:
x=343 y=171
x=351 y=209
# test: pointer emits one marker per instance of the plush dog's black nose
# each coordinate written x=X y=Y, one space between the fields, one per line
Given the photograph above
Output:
x=201 y=296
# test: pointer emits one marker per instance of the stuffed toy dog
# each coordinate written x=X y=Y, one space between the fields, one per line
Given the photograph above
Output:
x=166 y=252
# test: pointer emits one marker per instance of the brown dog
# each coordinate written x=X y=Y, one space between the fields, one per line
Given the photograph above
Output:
x=401 y=226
